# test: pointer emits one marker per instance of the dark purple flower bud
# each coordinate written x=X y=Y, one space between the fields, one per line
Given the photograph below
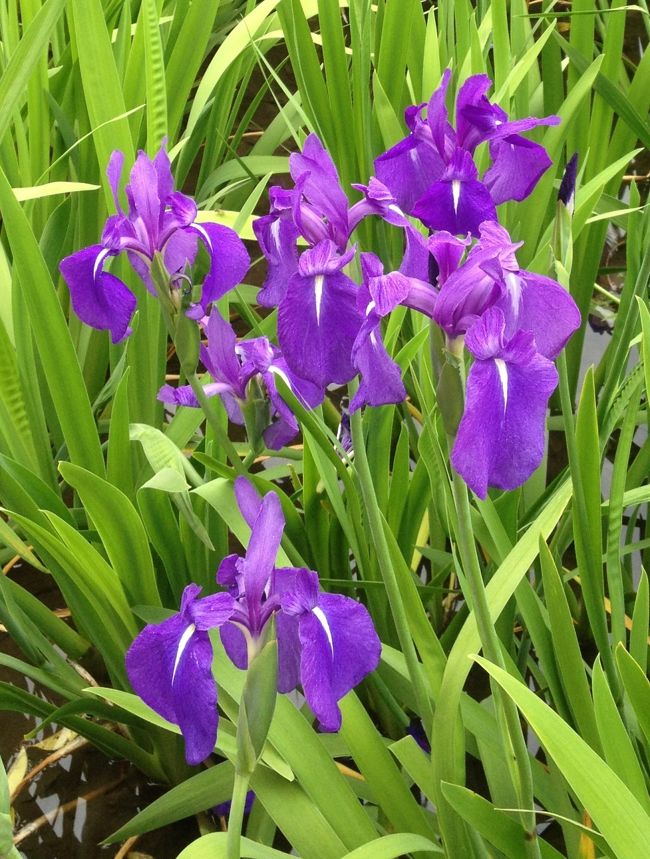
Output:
x=223 y=809
x=567 y=190
x=416 y=730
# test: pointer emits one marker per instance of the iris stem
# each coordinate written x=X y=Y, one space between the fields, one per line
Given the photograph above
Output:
x=378 y=536
x=161 y=281
x=506 y=709
x=215 y=424
x=236 y=816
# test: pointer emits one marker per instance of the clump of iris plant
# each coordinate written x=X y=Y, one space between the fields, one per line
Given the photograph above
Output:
x=160 y=222
x=327 y=643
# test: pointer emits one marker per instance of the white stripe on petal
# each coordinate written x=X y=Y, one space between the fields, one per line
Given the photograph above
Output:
x=503 y=378
x=318 y=612
x=455 y=193
x=318 y=292
x=182 y=644
x=99 y=262
x=275 y=233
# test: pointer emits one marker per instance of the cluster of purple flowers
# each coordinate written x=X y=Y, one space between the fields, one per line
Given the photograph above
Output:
x=326 y=642
x=459 y=269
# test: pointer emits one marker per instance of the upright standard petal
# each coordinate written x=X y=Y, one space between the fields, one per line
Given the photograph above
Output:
x=500 y=440
x=98 y=298
x=259 y=563
x=146 y=209
x=541 y=305
x=517 y=166
x=314 y=170
x=410 y=167
x=443 y=135
x=318 y=320
x=220 y=356
x=467 y=293
x=277 y=235
x=114 y=174
x=249 y=500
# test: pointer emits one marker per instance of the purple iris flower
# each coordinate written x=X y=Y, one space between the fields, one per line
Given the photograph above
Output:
x=326 y=642
x=159 y=220
x=234 y=366
x=500 y=440
x=381 y=377
x=431 y=173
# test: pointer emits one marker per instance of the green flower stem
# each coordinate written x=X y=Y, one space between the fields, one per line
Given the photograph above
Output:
x=507 y=713
x=187 y=352
x=215 y=424
x=506 y=710
x=236 y=816
x=388 y=573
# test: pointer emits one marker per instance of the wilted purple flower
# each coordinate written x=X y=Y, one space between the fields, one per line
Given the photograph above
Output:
x=159 y=220
x=500 y=440
x=431 y=173
x=233 y=366
x=326 y=642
